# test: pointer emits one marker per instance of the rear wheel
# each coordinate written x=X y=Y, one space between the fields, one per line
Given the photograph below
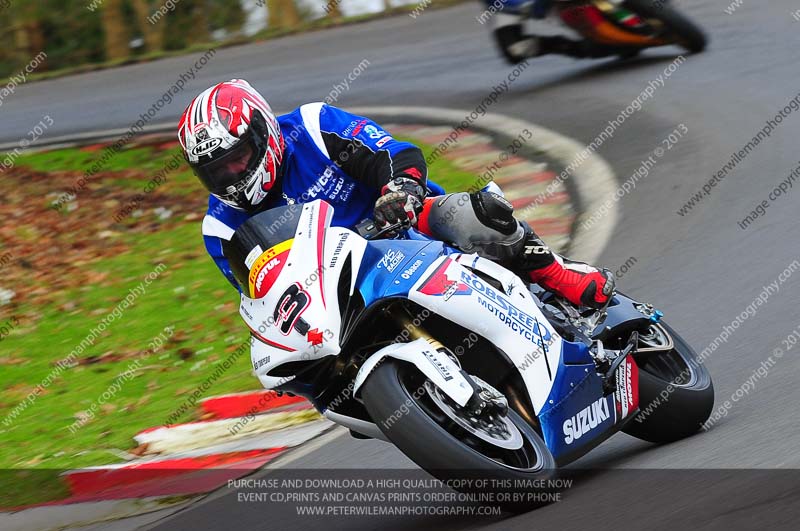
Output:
x=676 y=395
x=441 y=438
x=685 y=32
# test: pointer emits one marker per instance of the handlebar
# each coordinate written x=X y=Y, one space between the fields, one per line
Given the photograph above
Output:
x=369 y=231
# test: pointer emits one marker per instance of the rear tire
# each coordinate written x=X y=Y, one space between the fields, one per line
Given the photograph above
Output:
x=687 y=405
x=685 y=32
x=427 y=442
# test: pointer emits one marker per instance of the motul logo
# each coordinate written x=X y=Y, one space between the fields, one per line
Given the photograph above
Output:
x=586 y=420
x=263 y=273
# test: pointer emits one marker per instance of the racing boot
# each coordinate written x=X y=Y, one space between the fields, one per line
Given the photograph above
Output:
x=579 y=283
x=517 y=46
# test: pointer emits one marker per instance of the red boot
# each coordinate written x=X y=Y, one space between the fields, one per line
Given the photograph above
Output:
x=579 y=283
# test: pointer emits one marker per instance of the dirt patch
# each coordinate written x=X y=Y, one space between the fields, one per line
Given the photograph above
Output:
x=55 y=251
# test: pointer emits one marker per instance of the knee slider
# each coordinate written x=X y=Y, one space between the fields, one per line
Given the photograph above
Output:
x=494 y=211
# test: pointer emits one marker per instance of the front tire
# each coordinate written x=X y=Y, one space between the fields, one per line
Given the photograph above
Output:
x=685 y=32
x=442 y=447
x=676 y=395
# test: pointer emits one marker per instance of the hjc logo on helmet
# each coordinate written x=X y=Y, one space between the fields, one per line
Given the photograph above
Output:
x=203 y=142
x=206 y=146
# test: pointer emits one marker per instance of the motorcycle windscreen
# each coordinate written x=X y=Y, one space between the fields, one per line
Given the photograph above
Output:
x=258 y=242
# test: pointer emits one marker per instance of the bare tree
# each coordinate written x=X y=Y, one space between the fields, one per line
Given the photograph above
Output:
x=26 y=27
x=283 y=14
x=153 y=33
x=115 y=32
x=333 y=10
x=200 y=27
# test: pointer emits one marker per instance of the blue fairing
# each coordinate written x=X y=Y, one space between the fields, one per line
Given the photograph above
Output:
x=576 y=416
x=576 y=388
x=375 y=281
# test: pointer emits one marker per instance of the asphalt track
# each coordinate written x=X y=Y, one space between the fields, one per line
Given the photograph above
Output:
x=702 y=269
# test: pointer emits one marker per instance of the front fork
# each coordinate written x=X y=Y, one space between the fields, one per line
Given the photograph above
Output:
x=485 y=399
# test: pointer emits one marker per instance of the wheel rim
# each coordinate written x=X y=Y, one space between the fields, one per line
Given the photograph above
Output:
x=665 y=361
x=655 y=339
x=526 y=457
x=494 y=429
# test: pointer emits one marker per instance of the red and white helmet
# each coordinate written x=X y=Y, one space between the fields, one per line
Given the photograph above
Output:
x=233 y=142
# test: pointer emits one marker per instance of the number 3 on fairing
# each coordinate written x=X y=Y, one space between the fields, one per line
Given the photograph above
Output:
x=291 y=304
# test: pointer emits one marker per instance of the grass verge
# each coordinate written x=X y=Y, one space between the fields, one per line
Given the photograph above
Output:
x=72 y=269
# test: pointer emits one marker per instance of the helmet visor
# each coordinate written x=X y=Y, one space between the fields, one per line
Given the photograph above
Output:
x=229 y=170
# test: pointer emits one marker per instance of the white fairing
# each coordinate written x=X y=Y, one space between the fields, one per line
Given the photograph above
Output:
x=314 y=267
x=439 y=368
x=313 y=264
x=511 y=320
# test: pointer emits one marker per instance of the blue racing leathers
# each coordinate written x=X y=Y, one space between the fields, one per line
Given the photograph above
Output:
x=534 y=8
x=346 y=160
x=329 y=154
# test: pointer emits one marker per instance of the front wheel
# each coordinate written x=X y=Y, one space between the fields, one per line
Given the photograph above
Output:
x=436 y=434
x=676 y=395
x=679 y=27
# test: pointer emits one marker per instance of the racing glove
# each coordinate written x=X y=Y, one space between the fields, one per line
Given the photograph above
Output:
x=400 y=200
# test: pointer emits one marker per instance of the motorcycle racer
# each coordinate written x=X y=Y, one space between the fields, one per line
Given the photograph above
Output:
x=250 y=161
x=516 y=46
